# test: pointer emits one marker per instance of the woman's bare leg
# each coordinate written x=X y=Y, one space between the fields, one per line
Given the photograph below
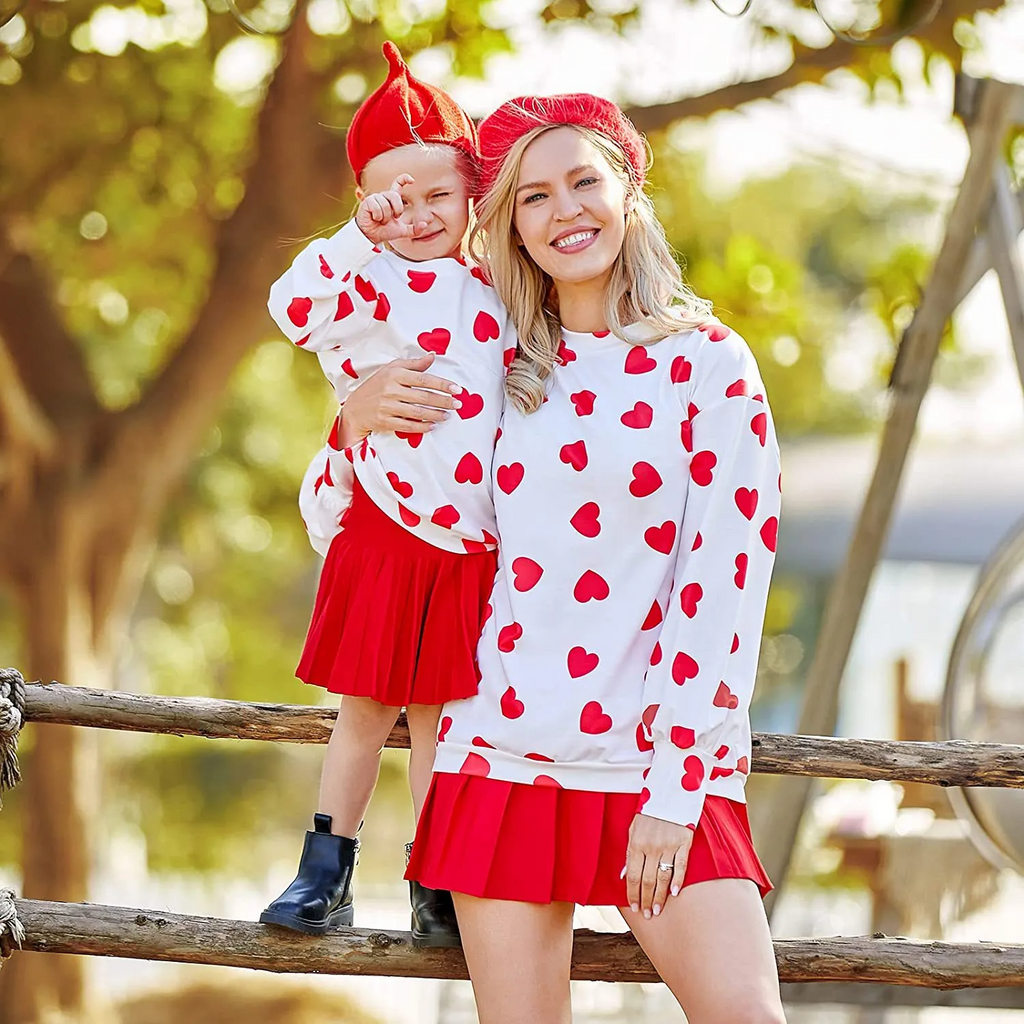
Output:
x=423 y=719
x=712 y=947
x=519 y=956
x=352 y=763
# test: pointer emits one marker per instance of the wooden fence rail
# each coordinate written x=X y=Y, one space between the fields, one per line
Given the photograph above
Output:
x=154 y=935
x=953 y=763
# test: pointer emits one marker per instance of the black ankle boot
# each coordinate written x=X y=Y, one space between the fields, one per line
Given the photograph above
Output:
x=433 y=915
x=320 y=897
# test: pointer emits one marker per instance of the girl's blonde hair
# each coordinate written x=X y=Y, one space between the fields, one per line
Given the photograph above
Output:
x=646 y=285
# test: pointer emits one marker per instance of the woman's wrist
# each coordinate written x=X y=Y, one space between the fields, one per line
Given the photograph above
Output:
x=349 y=433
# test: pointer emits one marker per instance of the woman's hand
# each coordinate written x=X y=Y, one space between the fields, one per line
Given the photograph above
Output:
x=654 y=842
x=399 y=397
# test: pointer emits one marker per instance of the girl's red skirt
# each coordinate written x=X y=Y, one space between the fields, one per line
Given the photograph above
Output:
x=396 y=619
x=539 y=844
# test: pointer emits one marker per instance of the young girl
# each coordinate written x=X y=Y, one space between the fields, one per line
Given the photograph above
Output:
x=407 y=574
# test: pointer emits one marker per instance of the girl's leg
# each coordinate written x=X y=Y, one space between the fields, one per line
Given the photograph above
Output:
x=519 y=956
x=712 y=947
x=352 y=762
x=422 y=719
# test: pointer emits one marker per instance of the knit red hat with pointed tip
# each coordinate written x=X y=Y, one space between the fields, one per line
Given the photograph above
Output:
x=512 y=120
x=403 y=111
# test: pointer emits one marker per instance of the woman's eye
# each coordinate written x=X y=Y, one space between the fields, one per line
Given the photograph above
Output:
x=536 y=195
x=586 y=181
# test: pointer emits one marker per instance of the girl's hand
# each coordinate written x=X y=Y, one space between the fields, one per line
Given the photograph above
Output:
x=398 y=397
x=654 y=842
x=379 y=214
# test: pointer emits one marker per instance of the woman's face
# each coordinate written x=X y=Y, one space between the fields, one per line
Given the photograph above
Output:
x=569 y=208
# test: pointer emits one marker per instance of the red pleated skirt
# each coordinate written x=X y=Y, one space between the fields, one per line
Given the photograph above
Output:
x=395 y=619
x=540 y=844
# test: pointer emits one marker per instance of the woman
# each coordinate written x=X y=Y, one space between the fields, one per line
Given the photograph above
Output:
x=636 y=477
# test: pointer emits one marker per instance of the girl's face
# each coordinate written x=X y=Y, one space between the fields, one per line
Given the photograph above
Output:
x=436 y=203
x=570 y=208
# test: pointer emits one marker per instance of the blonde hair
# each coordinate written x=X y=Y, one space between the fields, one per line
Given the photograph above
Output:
x=646 y=285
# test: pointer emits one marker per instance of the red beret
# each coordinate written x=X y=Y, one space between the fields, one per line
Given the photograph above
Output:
x=403 y=111
x=513 y=119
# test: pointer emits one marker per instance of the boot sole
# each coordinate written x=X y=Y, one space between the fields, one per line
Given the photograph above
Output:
x=424 y=940
x=338 y=919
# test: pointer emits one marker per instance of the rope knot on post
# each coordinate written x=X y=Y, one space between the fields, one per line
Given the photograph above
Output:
x=12 y=717
x=12 y=931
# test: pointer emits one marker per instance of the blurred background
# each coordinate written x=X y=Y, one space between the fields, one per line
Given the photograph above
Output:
x=160 y=160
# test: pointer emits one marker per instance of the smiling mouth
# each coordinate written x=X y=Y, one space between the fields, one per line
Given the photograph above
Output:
x=575 y=242
x=430 y=237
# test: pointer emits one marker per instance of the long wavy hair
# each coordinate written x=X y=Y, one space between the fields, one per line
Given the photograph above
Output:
x=646 y=285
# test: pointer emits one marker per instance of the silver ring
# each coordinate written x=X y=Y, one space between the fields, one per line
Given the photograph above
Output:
x=665 y=867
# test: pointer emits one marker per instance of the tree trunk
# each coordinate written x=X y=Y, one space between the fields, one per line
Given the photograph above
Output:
x=60 y=776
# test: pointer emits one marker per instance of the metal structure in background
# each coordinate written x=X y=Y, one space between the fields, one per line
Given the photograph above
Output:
x=983 y=698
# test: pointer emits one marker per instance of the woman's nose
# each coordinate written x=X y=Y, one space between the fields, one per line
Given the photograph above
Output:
x=567 y=206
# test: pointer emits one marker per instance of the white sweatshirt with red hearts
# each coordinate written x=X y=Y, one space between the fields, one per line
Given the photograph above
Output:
x=637 y=514
x=359 y=307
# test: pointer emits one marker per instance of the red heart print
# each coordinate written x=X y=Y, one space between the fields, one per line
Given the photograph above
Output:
x=759 y=425
x=715 y=332
x=654 y=617
x=485 y=327
x=661 y=538
x=682 y=737
x=302 y=341
x=736 y=388
x=436 y=341
x=479 y=741
x=725 y=698
x=590 y=586
x=770 y=533
x=408 y=516
x=527 y=572
x=686 y=434
x=510 y=477
x=697 y=541
x=348 y=274
x=366 y=290
x=601 y=334
x=421 y=280
x=639 y=417
x=318 y=484
x=643 y=741
x=574 y=455
x=446 y=724
x=565 y=355
x=413 y=439
x=298 y=311
x=334 y=440
x=701 y=467
x=489 y=538
x=584 y=402
x=325 y=269
x=327 y=474
x=348 y=368
x=478 y=273
x=740 y=578
x=645 y=795
x=540 y=757
x=638 y=361
x=383 y=308
x=581 y=662
x=693 y=773
x=681 y=370
x=546 y=780
x=469 y=470
x=683 y=668
x=656 y=654
x=650 y=713
x=510 y=706
x=508 y=357
x=471 y=404
x=743 y=765
x=593 y=720
x=691 y=411
x=446 y=516
x=475 y=764
x=507 y=637
x=746 y=501
x=585 y=521
x=721 y=752
x=689 y=597
x=718 y=772
x=646 y=480
x=473 y=547
x=400 y=486
x=345 y=306
x=735 y=643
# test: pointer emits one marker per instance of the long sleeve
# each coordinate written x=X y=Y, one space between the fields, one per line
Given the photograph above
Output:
x=699 y=686
x=326 y=493
x=323 y=302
